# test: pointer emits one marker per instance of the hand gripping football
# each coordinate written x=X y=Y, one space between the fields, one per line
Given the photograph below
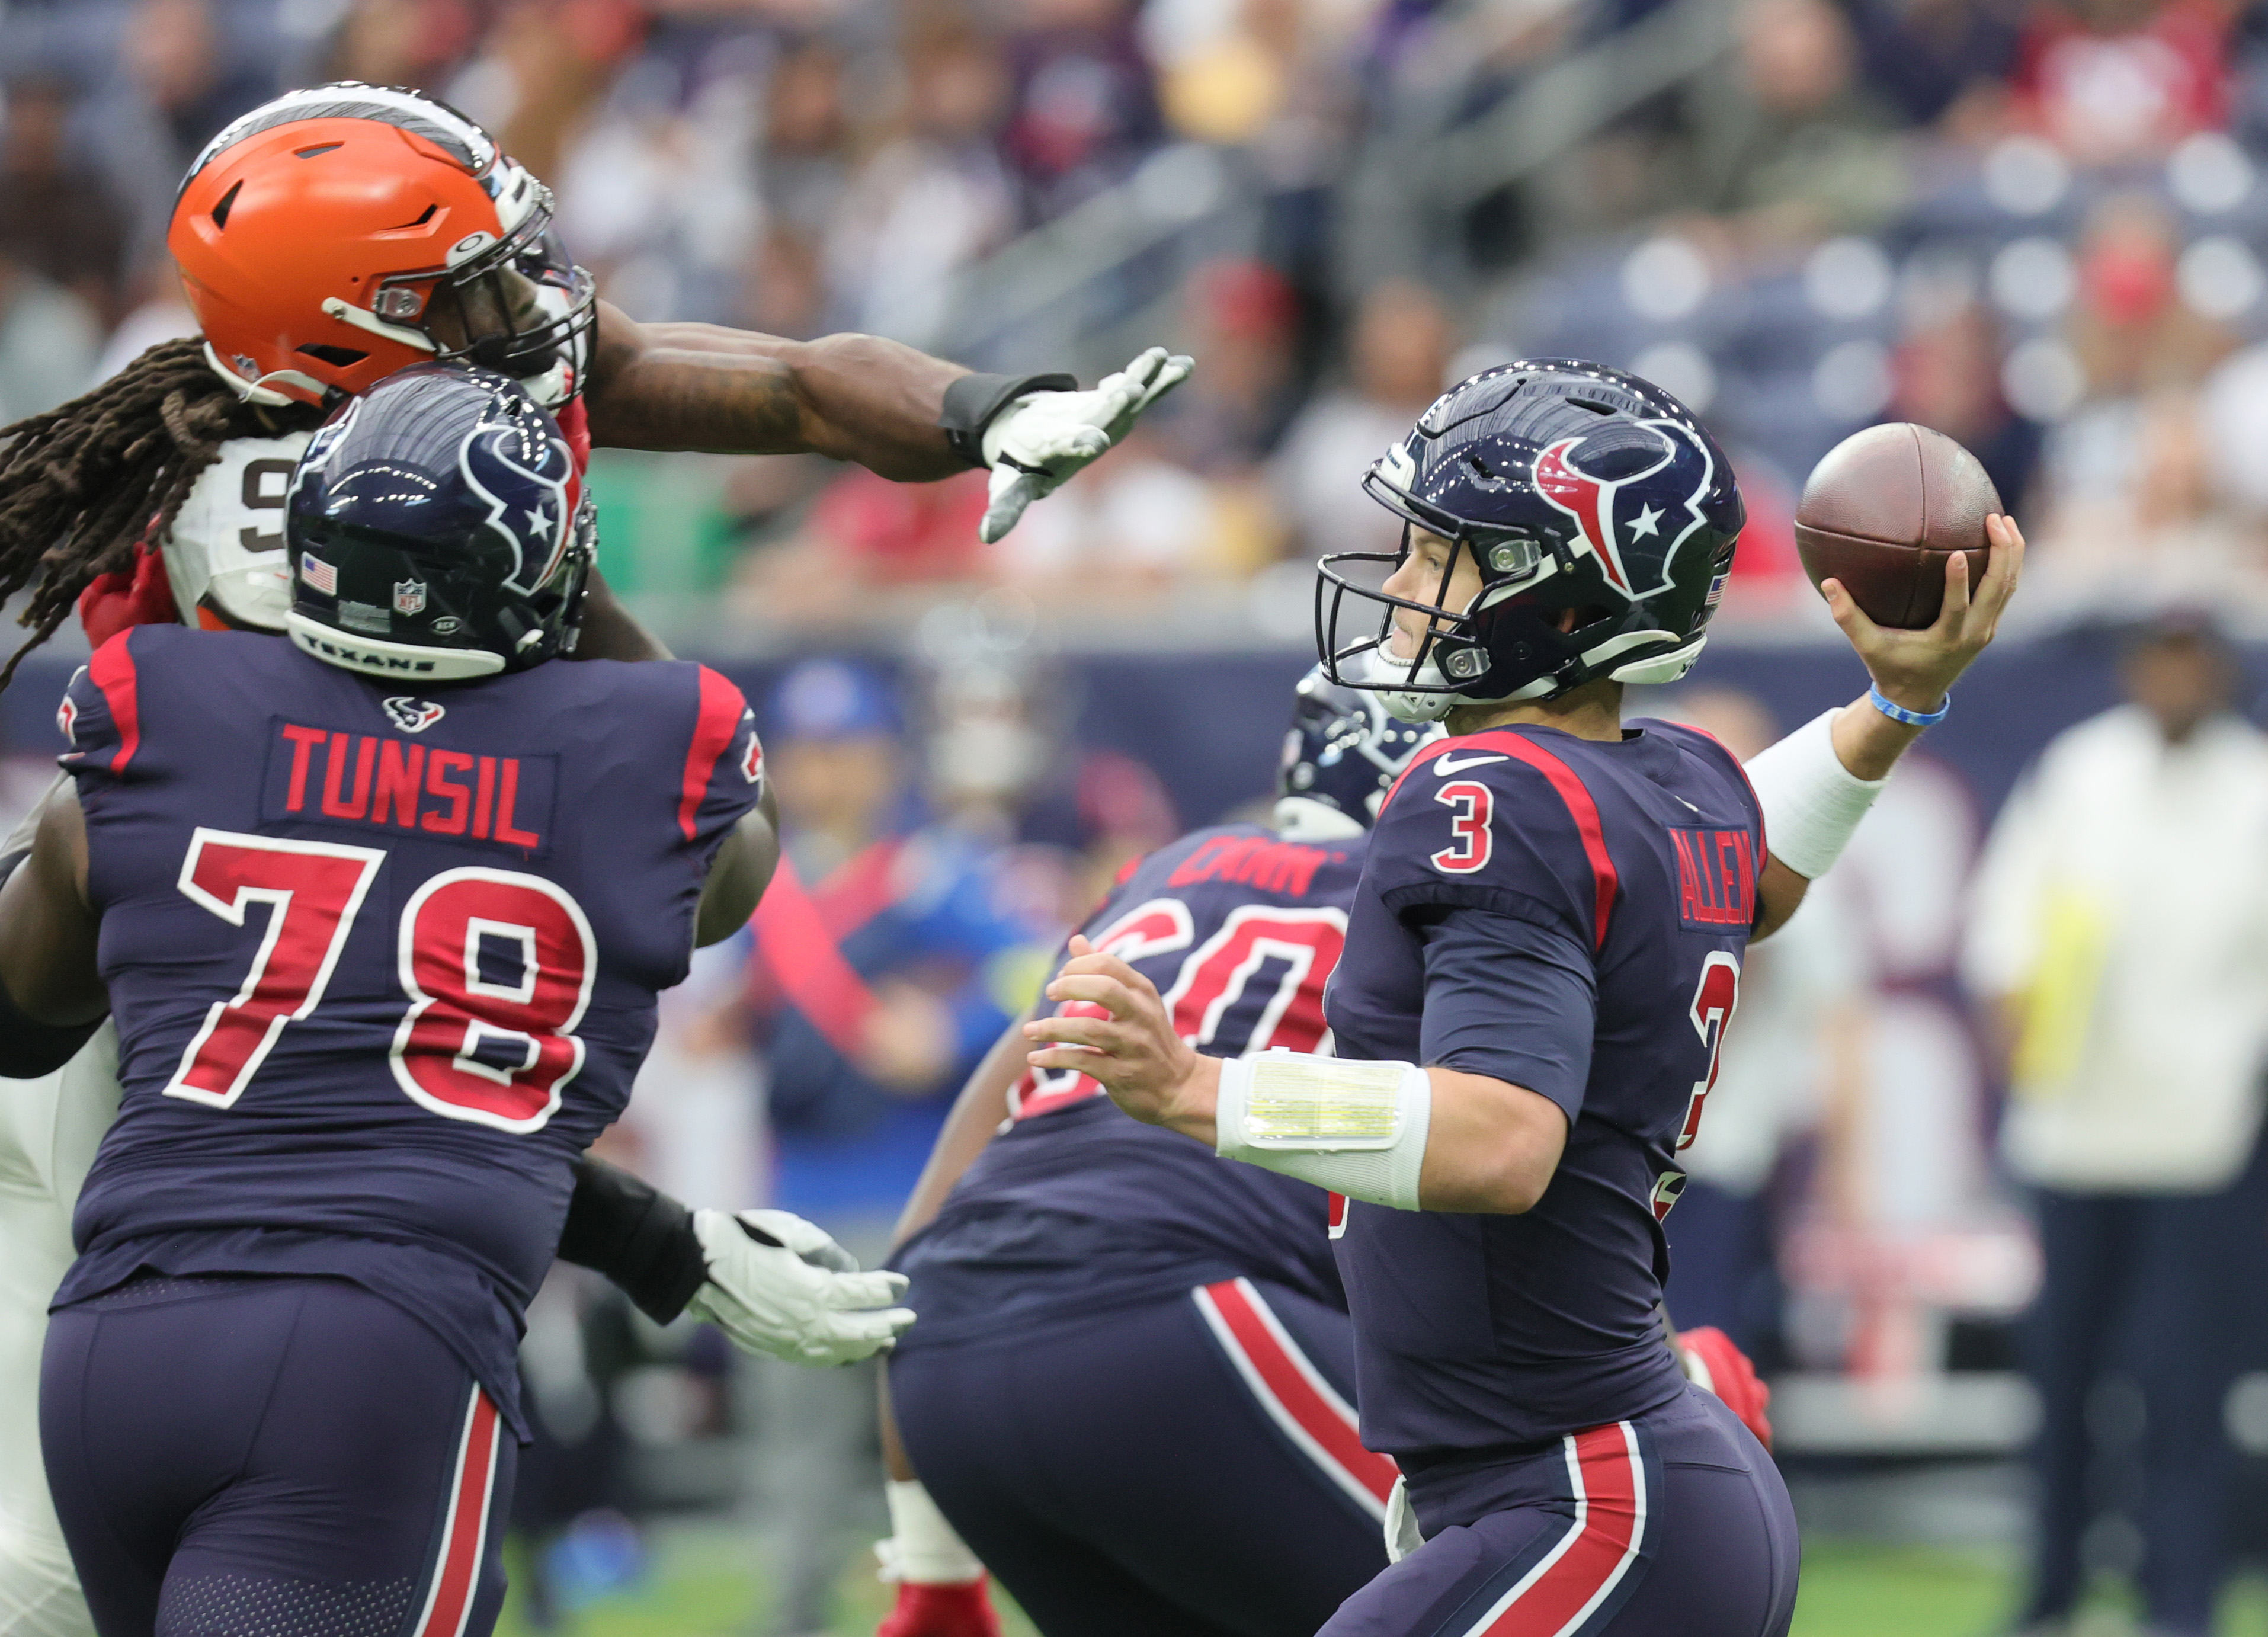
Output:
x=1884 y=510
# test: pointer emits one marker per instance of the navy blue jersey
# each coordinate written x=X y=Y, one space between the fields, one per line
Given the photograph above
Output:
x=1567 y=915
x=382 y=964
x=1075 y=1206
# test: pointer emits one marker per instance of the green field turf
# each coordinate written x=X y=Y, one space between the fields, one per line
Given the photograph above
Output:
x=700 y=1584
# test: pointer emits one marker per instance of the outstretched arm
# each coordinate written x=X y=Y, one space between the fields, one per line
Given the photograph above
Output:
x=901 y=413
x=1816 y=784
x=699 y=387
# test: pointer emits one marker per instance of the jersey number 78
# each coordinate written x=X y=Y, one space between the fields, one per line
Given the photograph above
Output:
x=472 y=1047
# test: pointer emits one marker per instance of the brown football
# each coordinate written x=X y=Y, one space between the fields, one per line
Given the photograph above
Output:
x=1884 y=510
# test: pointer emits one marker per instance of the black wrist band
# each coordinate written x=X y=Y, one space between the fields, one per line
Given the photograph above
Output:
x=638 y=1236
x=972 y=402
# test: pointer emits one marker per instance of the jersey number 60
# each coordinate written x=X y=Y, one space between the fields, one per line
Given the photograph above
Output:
x=477 y=1047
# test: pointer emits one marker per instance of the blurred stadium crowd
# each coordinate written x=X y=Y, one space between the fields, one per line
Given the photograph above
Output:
x=2036 y=225
x=2030 y=226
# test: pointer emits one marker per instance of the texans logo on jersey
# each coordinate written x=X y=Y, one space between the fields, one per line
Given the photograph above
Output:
x=752 y=759
x=1633 y=502
x=412 y=716
x=528 y=479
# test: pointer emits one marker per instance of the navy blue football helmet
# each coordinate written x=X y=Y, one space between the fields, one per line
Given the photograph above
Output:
x=1342 y=753
x=438 y=529
x=1571 y=486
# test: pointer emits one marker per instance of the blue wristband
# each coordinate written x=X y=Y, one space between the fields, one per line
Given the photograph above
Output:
x=1912 y=719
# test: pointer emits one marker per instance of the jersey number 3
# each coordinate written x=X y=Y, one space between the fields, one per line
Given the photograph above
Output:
x=492 y=1047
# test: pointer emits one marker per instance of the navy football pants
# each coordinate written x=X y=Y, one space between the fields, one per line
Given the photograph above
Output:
x=1676 y=1524
x=1187 y=1466
x=272 y=1457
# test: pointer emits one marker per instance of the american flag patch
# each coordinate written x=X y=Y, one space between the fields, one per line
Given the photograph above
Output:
x=324 y=576
x=1717 y=590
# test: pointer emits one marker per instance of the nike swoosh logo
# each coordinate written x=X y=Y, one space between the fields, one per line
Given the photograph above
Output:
x=1448 y=765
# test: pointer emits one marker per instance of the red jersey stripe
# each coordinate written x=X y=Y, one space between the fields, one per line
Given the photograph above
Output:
x=714 y=729
x=1294 y=1393
x=112 y=670
x=1581 y=809
x=464 y=1533
x=1604 y=881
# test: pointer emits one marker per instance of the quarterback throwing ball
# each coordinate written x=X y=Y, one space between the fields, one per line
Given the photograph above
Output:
x=1541 y=958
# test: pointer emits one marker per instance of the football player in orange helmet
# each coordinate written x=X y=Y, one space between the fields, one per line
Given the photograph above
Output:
x=336 y=234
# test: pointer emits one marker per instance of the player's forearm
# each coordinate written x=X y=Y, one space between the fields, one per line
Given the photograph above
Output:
x=1472 y=1143
x=967 y=1130
x=696 y=387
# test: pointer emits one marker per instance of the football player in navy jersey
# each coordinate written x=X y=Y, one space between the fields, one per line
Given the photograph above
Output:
x=1541 y=961
x=1131 y=1394
x=381 y=912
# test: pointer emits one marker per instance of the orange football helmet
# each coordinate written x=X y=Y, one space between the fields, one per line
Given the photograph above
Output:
x=336 y=234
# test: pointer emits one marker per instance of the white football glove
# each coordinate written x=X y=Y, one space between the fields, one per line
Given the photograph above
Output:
x=802 y=1300
x=1043 y=438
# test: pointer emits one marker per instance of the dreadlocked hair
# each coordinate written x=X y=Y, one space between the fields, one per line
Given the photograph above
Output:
x=82 y=486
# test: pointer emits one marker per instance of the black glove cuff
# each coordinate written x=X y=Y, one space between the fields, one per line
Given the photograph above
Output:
x=972 y=402
x=638 y=1236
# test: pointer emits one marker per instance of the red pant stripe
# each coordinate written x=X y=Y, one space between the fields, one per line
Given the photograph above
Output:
x=1557 y=1595
x=464 y=1535
x=1294 y=1393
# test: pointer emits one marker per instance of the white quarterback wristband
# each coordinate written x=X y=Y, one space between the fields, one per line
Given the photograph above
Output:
x=1357 y=1129
x=1812 y=802
x=923 y=1549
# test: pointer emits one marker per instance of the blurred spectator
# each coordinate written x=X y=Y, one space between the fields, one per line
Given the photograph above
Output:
x=1244 y=315
x=2120 y=79
x=542 y=68
x=1923 y=55
x=175 y=80
x=1397 y=358
x=2122 y=929
x=2129 y=328
x=1946 y=375
x=866 y=534
x=56 y=214
x=48 y=339
x=1795 y=144
x=1084 y=107
x=398 y=42
x=934 y=196
x=2155 y=526
x=882 y=972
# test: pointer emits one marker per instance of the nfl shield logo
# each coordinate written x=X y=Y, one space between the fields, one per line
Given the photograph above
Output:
x=409 y=596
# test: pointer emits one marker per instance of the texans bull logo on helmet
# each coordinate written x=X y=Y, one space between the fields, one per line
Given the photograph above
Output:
x=512 y=459
x=1612 y=495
